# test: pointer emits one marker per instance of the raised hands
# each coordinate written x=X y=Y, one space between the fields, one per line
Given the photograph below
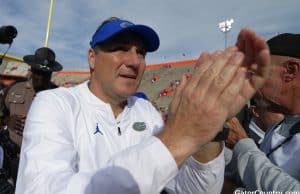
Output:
x=220 y=86
x=236 y=132
x=257 y=63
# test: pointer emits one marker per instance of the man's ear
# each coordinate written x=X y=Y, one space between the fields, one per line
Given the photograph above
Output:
x=291 y=70
x=253 y=111
x=91 y=58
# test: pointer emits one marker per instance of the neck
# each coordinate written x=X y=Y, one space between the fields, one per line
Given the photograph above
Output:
x=265 y=121
x=260 y=124
x=294 y=106
x=291 y=100
x=117 y=103
x=118 y=108
x=46 y=86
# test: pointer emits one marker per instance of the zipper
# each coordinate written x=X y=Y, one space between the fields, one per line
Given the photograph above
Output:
x=118 y=128
x=119 y=131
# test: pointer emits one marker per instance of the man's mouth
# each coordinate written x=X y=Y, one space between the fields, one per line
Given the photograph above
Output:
x=129 y=76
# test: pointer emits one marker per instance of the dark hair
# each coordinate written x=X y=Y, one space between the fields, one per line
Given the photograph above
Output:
x=108 y=20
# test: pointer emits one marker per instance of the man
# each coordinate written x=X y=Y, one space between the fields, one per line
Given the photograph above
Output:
x=6 y=80
x=260 y=119
x=276 y=167
x=19 y=98
x=98 y=138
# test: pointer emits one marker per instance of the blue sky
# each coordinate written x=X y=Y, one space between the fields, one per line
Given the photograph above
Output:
x=186 y=28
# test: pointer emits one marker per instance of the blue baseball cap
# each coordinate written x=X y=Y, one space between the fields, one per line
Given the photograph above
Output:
x=115 y=27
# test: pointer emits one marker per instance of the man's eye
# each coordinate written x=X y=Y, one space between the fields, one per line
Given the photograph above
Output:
x=142 y=52
x=122 y=48
x=117 y=48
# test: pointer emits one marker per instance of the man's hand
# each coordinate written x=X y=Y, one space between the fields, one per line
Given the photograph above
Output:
x=257 y=62
x=200 y=105
x=218 y=89
x=236 y=132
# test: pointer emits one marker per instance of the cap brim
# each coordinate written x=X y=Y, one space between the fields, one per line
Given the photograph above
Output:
x=112 y=29
x=148 y=35
x=31 y=61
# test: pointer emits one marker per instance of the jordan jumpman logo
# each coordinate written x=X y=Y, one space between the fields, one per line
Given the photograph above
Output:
x=98 y=130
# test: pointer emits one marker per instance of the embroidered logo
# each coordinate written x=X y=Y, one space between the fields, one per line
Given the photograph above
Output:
x=139 y=126
x=126 y=24
x=98 y=130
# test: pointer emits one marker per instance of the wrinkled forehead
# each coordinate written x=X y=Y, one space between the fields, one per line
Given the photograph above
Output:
x=281 y=60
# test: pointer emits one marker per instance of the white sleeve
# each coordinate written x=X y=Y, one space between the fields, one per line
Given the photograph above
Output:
x=257 y=172
x=145 y=168
x=196 y=177
x=48 y=158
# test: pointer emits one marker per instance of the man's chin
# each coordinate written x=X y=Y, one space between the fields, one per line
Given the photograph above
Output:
x=275 y=107
x=128 y=90
x=40 y=88
x=126 y=94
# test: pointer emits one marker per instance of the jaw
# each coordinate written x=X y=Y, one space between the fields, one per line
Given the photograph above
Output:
x=127 y=86
x=117 y=89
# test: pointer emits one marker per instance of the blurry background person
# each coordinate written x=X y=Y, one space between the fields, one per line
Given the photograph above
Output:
x=256 y=121
x=7 y=34
x=261 y=119
x=7 y=80
x=19 y=98
x=276 y=166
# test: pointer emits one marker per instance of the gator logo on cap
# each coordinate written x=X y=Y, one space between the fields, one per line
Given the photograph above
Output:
x=126 y=24
x=139 y=126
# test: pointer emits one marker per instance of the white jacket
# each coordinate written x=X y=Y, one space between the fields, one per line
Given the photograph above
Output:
x=72 y=143
x=286 y=156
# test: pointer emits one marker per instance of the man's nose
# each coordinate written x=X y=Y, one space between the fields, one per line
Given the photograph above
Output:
x=133 y=58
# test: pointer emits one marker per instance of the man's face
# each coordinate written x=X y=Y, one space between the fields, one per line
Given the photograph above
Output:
x=117 y=66
x=40 y=80
x=272 y=91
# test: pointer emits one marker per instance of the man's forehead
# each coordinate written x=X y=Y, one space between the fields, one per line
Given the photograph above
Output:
x=281 y=59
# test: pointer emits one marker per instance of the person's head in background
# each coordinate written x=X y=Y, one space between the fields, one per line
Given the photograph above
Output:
x=42 y=65
x=263 y=117
x=117 y=59
x=281 y=92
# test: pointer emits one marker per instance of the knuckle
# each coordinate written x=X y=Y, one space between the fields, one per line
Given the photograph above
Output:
x=211 y=72
x=187 y=93
x=220 y=81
